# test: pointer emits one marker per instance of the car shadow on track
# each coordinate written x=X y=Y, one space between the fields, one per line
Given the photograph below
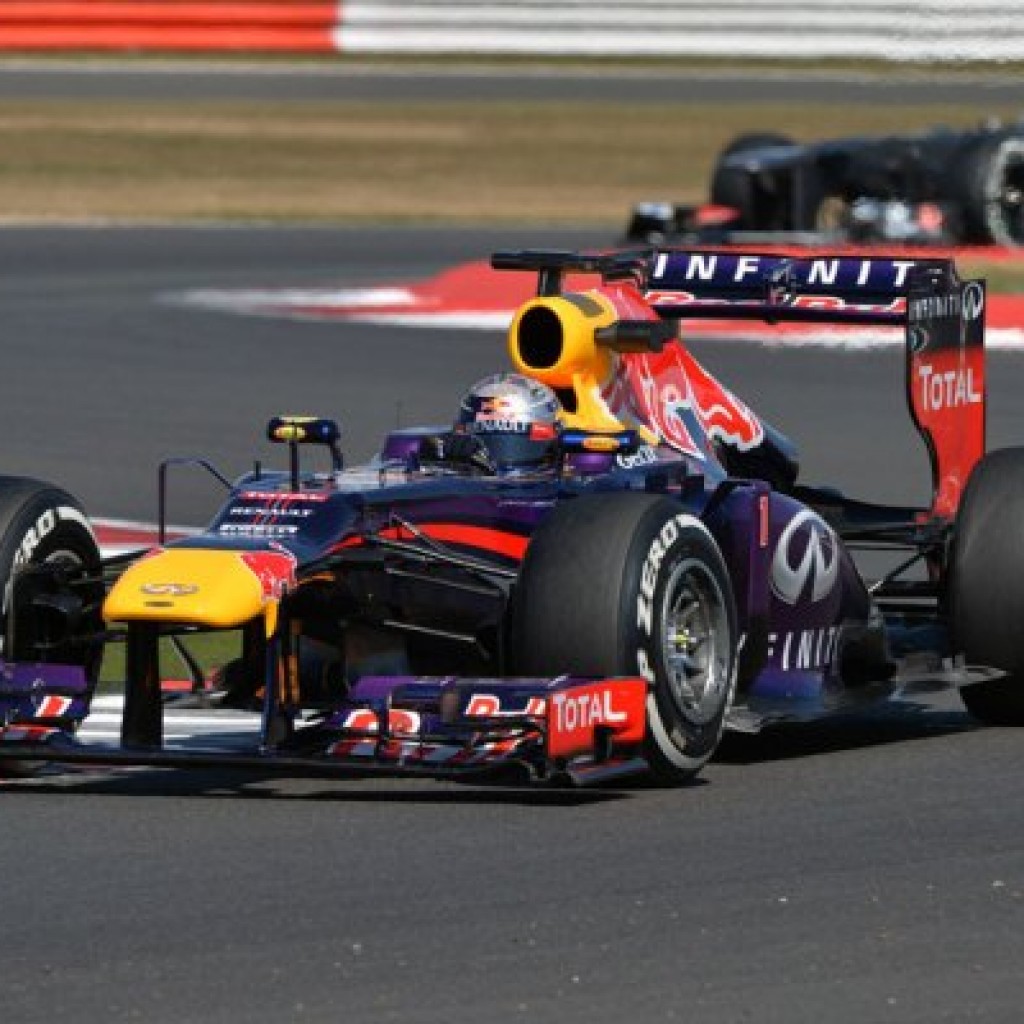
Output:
x=889 y=724
x=221 y=784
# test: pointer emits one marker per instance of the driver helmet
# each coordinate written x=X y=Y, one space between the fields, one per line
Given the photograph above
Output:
x=516 y=420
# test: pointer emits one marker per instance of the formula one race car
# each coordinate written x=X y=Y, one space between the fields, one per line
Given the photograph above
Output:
x=941 y=187
x=604 y=562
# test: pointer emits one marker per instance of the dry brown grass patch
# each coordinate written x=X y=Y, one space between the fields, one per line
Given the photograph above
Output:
x=456 y=162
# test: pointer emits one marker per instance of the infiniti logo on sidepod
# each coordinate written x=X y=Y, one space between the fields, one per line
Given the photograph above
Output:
x=807 y=554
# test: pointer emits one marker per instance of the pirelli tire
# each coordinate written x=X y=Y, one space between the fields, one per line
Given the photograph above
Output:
x=987 y=180
x=987 y=585
x=733 y=187
x=632 y=584
x=39 y=523
x=754 y=140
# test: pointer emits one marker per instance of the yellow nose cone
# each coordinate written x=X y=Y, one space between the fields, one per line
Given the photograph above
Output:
x=200 y=586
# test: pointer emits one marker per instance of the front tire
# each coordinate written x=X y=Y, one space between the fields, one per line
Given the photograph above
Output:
x=987 y=584
x=632 y=584
x=40 y=523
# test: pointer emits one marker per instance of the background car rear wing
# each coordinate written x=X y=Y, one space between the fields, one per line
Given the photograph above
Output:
x=942 y=316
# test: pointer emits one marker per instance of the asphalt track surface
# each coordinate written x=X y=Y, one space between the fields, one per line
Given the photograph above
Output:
x=282 y=82
x=868 y=870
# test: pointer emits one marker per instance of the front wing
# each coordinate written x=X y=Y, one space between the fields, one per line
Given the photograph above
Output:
x=582 y=730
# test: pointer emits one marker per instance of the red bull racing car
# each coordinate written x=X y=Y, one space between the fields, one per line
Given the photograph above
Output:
x=605 y=561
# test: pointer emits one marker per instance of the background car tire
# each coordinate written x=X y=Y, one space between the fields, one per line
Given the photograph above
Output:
x=987 y=180
x=755 y=140
x=632 y=584
x=40 y=522
x=987 y=584
x=732 y=187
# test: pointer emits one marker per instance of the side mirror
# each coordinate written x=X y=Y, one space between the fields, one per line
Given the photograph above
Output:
x=296 y=430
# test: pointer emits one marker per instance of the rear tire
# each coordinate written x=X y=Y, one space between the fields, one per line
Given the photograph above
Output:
x=733 y=187
x=987 y=584
x=632 y=584
x=755 y=140
x=988 y=182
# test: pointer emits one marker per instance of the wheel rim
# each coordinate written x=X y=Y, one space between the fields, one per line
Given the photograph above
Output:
x=1005 y=194
x=72 y=558
x=695 y=642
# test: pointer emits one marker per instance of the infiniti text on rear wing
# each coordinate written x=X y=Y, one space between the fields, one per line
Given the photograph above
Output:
x=942 y=316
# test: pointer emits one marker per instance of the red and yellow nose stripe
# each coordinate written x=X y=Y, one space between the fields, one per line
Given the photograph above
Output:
x=202 y=586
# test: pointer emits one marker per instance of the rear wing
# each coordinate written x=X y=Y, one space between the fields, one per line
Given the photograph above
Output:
x=757 y=286
x=943 y=319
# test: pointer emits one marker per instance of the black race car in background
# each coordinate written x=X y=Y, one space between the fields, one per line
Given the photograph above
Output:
x=939 y=187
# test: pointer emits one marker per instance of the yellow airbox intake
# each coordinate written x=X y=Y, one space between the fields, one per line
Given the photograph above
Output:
x=200 y=586
x=552 y=338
